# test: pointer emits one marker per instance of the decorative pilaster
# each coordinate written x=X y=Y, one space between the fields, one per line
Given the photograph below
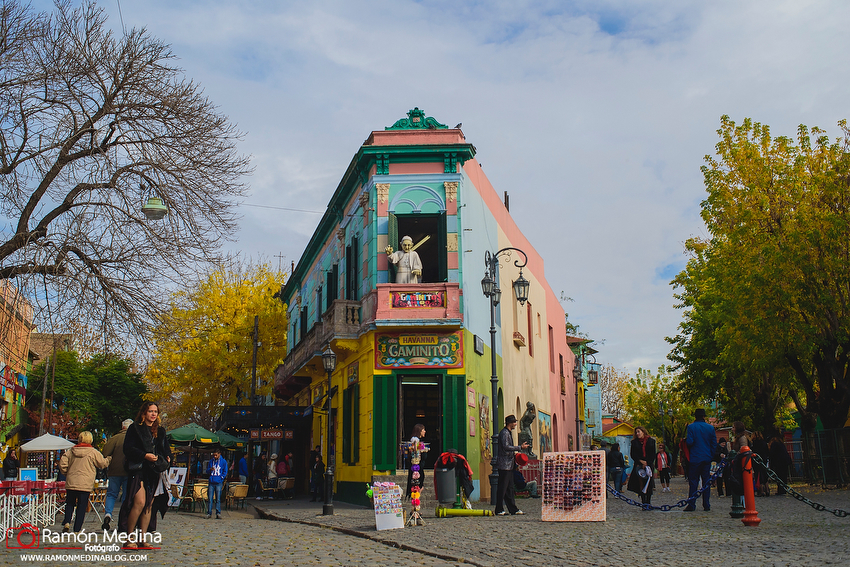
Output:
x=383 y=191
x=383 y=196
x=451 y=242
x=451 y=190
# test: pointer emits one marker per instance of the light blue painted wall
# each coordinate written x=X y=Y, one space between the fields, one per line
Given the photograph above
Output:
x=477 y=233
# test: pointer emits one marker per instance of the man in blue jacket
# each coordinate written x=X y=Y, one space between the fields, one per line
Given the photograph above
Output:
x=217 y=470
x=702 y=445
x=243 y=469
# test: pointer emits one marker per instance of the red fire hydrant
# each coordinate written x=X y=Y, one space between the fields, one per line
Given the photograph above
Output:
x=751 y=516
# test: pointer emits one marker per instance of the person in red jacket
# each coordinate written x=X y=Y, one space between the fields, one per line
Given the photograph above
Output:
x=685 y=456
x=663 y=462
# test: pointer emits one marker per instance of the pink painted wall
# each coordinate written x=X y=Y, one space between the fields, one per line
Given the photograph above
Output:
x=554 y=312
x=402 y=168
x=414 y=137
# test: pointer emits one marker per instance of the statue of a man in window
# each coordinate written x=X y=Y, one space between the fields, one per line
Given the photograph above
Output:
x=407 y=263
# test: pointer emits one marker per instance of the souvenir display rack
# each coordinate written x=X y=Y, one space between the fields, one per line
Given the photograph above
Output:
x=386 y=499
x=574 y=487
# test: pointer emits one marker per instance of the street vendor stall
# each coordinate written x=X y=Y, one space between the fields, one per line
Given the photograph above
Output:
x=39 y=452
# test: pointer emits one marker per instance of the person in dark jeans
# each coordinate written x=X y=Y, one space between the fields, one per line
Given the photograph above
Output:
x=723 y=481
x=505 y=463
x=316 y=472
x=702 y=445
x=616 y=466
x=260 y=471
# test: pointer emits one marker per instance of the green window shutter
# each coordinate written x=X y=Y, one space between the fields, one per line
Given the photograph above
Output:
x=442 y=250
x=454 y=413
x=355 y=272
x=349 y=269
x=392 y=240
x=384 y=426
x=346 y=425
x=355 y=424
x=392 y=231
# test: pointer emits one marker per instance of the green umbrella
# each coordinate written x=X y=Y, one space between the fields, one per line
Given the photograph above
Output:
x=193 y=434
x=228 y=441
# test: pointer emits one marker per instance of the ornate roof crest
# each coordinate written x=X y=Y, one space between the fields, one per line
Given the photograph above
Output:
x=416 y=120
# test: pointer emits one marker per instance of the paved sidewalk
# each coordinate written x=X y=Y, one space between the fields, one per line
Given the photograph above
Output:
x=791 y=533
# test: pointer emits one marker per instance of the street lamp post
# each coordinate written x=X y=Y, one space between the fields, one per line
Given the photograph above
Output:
x=490 y=287
x=329 y=362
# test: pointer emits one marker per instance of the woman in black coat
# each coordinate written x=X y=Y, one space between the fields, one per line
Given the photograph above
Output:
x=146 y=456
x=760 y=448
x=780 y=462
x=642 y=452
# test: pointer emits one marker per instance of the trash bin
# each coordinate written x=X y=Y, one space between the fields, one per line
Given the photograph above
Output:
x=446 y=485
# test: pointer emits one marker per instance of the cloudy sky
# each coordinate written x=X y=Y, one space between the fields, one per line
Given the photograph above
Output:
x=594 y=115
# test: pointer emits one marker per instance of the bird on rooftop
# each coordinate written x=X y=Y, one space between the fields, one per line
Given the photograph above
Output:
x=459 y=124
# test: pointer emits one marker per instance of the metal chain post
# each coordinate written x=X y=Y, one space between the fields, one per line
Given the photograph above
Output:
x=681 y=503
x=819 y=507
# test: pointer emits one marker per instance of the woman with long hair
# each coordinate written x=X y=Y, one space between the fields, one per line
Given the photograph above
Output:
x=80 y=464
x=147 y=455
x=643 y=456
x=739 y=434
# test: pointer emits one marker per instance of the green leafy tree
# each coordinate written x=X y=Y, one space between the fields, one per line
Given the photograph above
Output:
x=755 y=393
x=655 y=402
x=766 y=296
x=100 y=392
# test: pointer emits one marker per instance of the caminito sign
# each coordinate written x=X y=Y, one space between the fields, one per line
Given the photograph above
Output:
x=419 y=350
x=407 y=300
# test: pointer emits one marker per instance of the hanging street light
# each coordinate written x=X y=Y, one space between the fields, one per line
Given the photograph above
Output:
x=490 y=287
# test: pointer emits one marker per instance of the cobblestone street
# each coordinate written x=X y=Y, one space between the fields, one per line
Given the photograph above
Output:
x=791 y=533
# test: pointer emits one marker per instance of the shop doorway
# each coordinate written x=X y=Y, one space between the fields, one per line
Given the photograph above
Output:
x=420 y=400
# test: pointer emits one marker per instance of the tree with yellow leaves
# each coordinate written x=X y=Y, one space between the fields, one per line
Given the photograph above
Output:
x=204 y=343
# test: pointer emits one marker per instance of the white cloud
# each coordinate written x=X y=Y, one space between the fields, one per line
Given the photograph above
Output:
x=594 y=116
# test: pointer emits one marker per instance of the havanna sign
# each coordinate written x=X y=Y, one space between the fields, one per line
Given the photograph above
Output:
x=418 y=350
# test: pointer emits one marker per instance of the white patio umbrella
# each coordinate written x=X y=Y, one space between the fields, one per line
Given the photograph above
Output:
x=46 y=442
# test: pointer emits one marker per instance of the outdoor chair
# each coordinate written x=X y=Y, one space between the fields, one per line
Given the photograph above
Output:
x=269 y=487
x=286 y=487
x=200 y=495
x=182 y=500
x=236 y=494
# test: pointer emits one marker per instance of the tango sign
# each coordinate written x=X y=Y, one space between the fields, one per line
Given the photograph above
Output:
x=266 y=434
x=419 y=350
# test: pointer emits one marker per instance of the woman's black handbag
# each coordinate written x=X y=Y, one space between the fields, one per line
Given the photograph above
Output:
x=161 y=464
x=134 y=467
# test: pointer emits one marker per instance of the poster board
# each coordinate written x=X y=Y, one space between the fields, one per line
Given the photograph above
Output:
x=574 y=487
x=389 y=514
x=177 y=475
x=28 y=473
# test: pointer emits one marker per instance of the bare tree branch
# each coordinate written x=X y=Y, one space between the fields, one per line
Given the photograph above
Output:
x=90 y=126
